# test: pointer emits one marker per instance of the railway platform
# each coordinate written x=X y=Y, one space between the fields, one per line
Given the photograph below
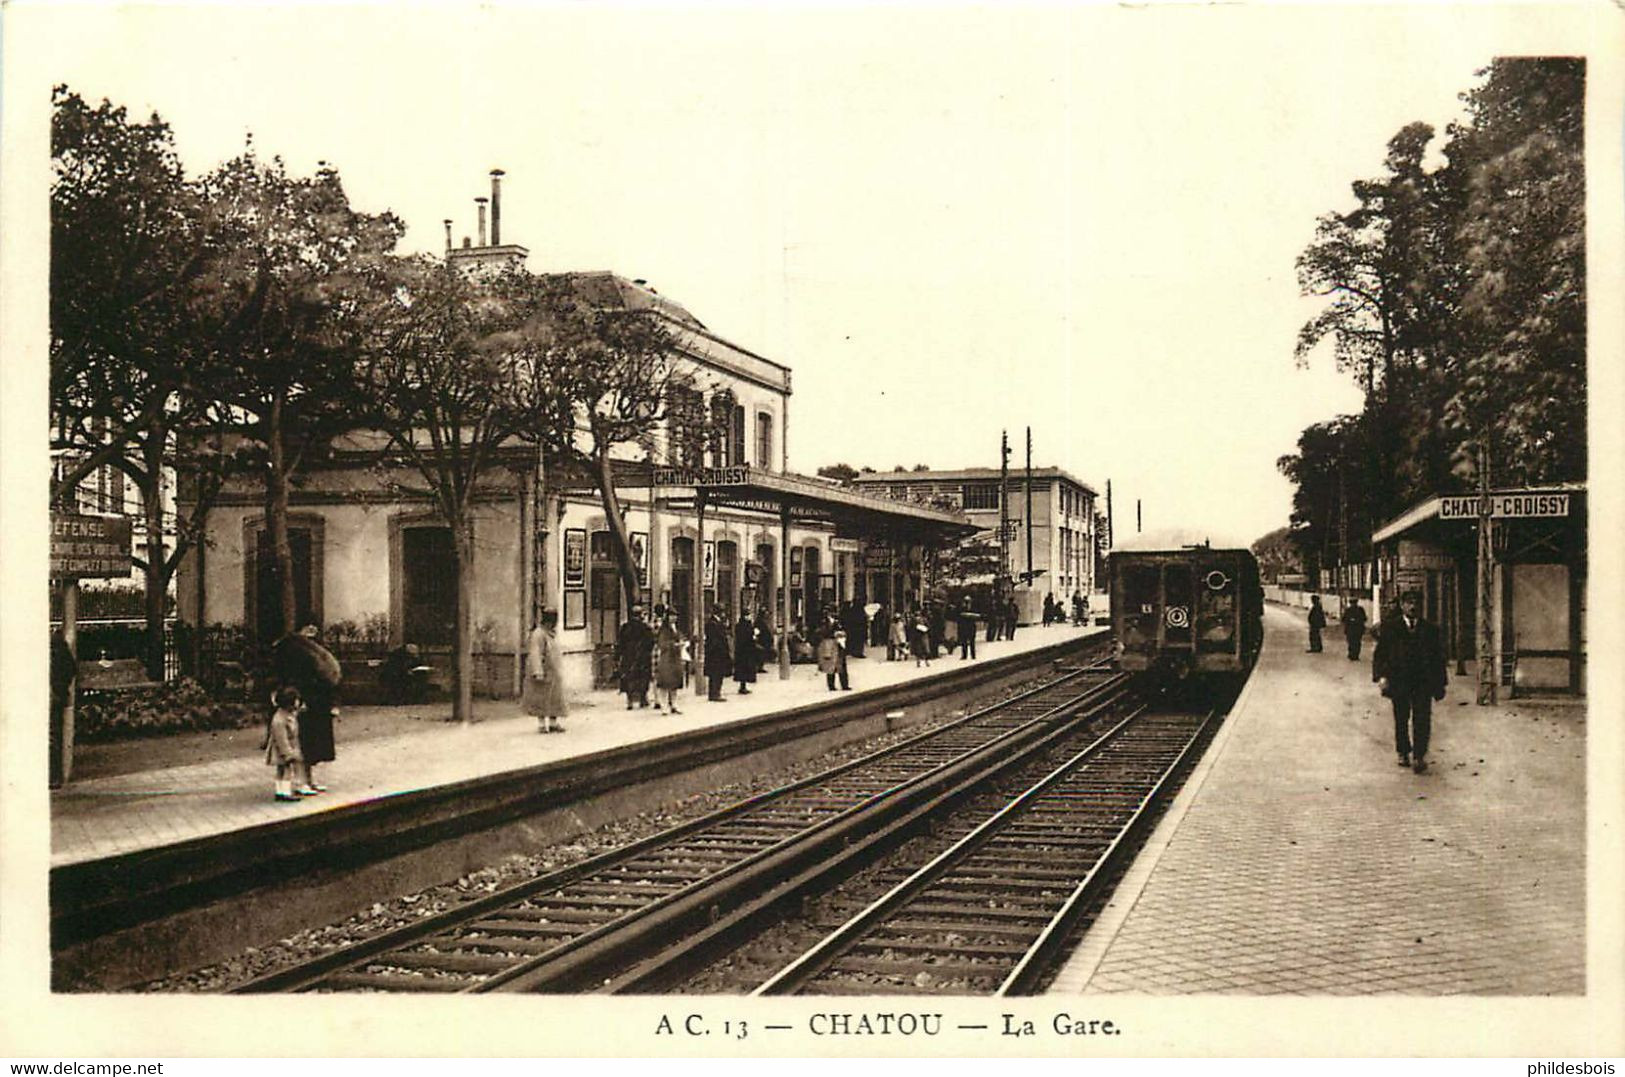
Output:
x=153 y=805
x=1299 y=859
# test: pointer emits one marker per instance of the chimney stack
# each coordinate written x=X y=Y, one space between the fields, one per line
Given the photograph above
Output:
x=447 y=223
x=496 y=206
x=481 y=203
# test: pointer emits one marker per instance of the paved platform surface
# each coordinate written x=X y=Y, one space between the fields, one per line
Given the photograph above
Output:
x=164 y=805
x=1301 y=860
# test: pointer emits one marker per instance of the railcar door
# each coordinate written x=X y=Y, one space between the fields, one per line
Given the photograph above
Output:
x=1137 y=606
x=1217 y=609
x=1178 y=605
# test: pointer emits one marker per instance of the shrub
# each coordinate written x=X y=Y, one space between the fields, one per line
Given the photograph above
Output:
x=181 y=706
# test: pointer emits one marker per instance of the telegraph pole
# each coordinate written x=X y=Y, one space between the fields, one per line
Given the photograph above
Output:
x=1137 y=517
x=1342 y=538
x=1029 y=506
x=1486 y=583
x=1004 y=504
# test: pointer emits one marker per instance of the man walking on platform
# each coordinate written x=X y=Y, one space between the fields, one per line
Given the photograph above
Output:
x=1317 y=621
x=1354 y=628
x=1408 y=666
x=966 y=627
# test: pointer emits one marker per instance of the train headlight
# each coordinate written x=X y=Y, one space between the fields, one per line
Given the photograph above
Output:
x=1216 y=580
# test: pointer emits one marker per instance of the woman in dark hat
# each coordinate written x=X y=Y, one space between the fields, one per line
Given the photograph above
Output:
x=301 y=661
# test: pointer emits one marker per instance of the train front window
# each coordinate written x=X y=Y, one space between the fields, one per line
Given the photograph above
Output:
x=1140 y=605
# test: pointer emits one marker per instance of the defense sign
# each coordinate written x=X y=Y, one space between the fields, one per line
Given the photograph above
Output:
x=89 y=546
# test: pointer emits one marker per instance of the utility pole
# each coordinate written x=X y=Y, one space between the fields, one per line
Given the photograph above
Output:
x=1342 y=538
x=1004 y=504
x=1486 y=583
x=1137 y=517
x=1029 y=506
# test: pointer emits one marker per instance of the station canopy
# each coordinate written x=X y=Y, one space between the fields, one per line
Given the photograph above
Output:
x=797 y=499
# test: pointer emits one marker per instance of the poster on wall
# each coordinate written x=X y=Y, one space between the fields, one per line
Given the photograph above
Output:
x=795 y=568
x=709 y=573
x=575 y=609
x=640 y=556
x=575 y=556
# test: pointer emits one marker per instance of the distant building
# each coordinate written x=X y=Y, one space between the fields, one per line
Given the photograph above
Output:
x=1063 y=517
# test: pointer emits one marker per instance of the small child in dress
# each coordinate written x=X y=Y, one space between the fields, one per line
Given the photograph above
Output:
x=282 y=741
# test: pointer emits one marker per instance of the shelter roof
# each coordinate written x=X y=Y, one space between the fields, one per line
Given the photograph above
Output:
x=805 y=499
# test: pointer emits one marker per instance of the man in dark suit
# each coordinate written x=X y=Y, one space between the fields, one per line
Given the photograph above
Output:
x=1408 y=666
x=967 y=630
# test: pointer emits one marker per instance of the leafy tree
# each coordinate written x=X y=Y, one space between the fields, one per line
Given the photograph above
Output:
x=448 y=373
x=843 y=473
x=130 y=243
x=1277 y=554
x=1456 y=299
x=606 y=377
x=282 y=302
x=1521 y=241
x=1331 y=496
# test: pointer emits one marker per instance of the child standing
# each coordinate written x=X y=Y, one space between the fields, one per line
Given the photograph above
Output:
x=282 y=741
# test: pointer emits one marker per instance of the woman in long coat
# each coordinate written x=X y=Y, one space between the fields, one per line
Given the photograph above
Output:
x=544 y=680
x=671 y=666
x=634 y=648
x=718 y=662
x=745 y=659
x=302 y=662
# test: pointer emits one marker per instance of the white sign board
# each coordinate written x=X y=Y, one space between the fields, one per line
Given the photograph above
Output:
x=1505 y=505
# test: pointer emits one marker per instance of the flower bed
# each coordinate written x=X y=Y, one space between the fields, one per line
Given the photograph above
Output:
x=180 y=706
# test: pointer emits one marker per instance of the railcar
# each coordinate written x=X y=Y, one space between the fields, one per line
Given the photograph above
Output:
x=1184 y=610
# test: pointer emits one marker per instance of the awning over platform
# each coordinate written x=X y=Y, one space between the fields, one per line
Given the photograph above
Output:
x=1524 y=502
x=806 y=500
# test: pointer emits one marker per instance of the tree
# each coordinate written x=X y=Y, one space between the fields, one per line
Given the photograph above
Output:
x=1277 y=554
x=606 y=377
x=842 y=473
x=1331 y=498
x=129 y=246
x=1521 y=239
x=282 y=302
x=447 y=373
x=1457 y=300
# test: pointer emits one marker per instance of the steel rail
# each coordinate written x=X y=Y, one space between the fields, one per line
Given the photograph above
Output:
x=1036 y=961
x=797 y=973
x=581 y=958
x=662 y=970
x=310 y=974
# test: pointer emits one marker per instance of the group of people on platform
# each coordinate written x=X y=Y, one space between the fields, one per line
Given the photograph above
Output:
x=1408 y=667
x=1055 y=609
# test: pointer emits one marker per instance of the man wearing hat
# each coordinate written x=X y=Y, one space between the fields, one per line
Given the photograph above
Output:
x=1408 y=666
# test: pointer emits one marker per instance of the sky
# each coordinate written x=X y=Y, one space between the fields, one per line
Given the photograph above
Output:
x=949 y=221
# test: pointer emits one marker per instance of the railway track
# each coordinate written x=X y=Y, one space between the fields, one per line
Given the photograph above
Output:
x=568 y=930
x=988 y=914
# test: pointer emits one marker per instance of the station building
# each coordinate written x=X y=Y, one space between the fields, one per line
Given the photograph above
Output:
x=729 y=527
x=1539 y=573
x=1064 y=535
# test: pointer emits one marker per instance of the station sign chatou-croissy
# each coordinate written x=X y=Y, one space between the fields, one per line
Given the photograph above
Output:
x=1504 y=505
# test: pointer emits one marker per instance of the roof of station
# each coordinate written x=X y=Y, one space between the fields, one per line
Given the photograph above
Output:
x=805 y=499
x=968 y=474
x=1423 y=511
